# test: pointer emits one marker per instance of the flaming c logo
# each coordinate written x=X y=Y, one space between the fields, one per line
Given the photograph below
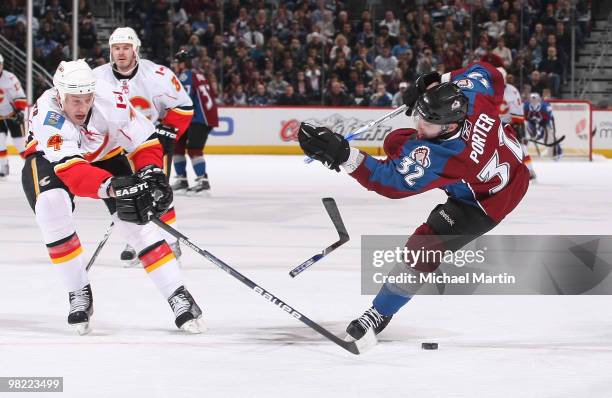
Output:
x=142 y=104
x=1 y=95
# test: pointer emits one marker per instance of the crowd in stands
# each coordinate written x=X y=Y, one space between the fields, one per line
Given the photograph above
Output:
x=332 y=52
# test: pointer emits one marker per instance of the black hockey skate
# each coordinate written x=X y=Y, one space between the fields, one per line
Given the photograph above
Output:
x=4 y=169
x=371 y=319
x=188 y=315
x=181 y=185
x=81 y=309
x=129 y=257
x=202 y=186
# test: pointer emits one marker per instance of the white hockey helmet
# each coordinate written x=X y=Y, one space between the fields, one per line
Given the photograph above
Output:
x=1 y=59
x=73 y=77
x=125 y=35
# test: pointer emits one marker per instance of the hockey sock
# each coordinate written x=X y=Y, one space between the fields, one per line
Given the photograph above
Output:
x=169 y=218
x=19 y=143
x=199 y=165
x=159 y=262
x=3 y=152
x=66 y=255
x=54 y=218
x=387 y=302
x=180 y=165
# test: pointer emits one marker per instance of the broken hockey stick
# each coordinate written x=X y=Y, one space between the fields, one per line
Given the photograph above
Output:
x=556 y=142
x=368 y=126
x=334 y=214
x=355 y=347
x=100 y=246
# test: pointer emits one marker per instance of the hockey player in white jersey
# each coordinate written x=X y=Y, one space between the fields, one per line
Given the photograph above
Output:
x=511 y=112
x=79 y=133
x=156 y=92
x=12 y=107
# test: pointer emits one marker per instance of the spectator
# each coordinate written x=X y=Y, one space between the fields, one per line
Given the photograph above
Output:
x=261 y=97
x=537 y=85
x=340 y=46
x=361 y=97
x=276 y=87
x=289 y=97
x=552 y=66
x=402 y=47
x=511 y=37
x=398 y=98
x=313 y=76
x=494 y=27
x=385 y=63
x=503 y=52
x=303 y=88
x=392 y=24
x=336 y=96
x=426 y=62
x=87 y=36
x=381 y=97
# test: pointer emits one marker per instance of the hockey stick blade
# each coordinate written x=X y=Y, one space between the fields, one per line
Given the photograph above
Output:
x=352 y=347
x=100 y=246
x=556 y=142
x=334 y=214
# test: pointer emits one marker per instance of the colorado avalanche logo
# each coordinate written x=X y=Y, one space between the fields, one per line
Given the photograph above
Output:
x=421 y=155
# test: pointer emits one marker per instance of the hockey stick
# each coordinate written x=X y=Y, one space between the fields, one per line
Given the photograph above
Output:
x=556 y=142
x=334 y=214
x=368 y=126
x=100 y=246
x=355 y=347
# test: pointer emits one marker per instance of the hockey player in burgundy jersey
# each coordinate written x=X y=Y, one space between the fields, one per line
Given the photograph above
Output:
x=459 y=145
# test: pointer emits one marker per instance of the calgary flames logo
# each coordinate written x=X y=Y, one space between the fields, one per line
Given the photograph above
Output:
x=1 y=95
x=142 y=104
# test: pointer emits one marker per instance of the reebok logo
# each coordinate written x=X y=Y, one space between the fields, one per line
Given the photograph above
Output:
x=446 y=217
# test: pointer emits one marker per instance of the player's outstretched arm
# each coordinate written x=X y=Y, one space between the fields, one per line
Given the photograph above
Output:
x=396 y=177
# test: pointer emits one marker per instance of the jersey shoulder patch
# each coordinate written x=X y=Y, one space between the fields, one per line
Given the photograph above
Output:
x=54 y=119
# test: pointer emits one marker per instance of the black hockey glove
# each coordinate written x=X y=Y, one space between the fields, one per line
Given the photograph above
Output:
x=19 y=117
x=162 y=193
x=322 y=144
x=419 y=87
x=166 y=136
x=134 y=199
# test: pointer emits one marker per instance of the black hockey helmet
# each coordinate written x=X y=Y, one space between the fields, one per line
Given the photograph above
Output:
x=182 y=56
x=442 y=104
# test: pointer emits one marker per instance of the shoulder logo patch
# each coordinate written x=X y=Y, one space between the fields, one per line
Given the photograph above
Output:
x=465 y=83
x=421 y=155
x=54 y=119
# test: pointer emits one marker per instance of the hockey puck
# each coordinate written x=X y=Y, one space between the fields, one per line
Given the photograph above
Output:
x=429 y=346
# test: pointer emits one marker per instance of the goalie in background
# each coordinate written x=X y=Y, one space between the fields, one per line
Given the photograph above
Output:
x=540 y=123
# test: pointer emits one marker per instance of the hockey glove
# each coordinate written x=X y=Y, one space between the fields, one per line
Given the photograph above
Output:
x=134 y=199
x=322 y=144
x=162 y=193
x=19 y=117
x=419 y=87
x=166 y=136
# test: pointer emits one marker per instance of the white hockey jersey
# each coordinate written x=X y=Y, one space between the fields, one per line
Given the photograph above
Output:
x=113 y=124
x=12 y=97
x=511 y=108
x=155 y=91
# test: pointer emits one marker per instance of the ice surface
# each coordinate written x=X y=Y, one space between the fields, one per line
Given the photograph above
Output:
x=265 y=217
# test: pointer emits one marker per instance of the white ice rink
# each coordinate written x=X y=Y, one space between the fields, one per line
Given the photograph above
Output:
x=264 y=217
